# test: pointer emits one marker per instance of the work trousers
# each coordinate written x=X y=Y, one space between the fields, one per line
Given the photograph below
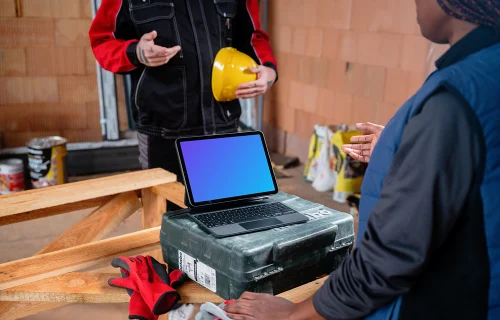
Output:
x=156 y=152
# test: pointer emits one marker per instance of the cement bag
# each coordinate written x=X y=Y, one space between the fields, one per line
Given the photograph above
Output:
x=326 y=177
x=315 y=143
x=350 y=172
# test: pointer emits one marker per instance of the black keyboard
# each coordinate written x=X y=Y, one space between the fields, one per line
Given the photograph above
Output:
x=230 y=216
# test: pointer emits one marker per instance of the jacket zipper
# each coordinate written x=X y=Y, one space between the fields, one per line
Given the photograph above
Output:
x=199 y=61
x=178 y=37
x=205 y=24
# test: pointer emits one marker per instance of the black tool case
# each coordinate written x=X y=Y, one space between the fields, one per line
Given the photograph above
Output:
x=271 y=261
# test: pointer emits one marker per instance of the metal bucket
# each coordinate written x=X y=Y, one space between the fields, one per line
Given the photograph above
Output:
x=11 y=176
x=47 y=161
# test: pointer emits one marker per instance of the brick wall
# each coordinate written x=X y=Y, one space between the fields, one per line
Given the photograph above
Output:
x=48 y=83
x=340 y=61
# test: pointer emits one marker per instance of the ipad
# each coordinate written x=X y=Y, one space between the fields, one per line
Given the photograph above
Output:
x=226 y=167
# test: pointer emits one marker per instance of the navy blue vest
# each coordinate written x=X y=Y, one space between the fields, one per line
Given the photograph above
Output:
x=477 y=78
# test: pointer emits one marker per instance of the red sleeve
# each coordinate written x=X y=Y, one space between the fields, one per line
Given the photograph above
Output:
x=111 y=34
x=249 y=37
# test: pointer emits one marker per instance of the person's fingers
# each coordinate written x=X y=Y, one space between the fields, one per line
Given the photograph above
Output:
x=235 y=316
x=364 y=146
x=365 y=152
x=254 y=91
x=173 y=50
x=152 y=55
x=253 y=84
x=154 y=61
x=159 y=50
x=352 y=152
x=171 y=54
x=366 y=138
x=149 y=36
x=247 y=85
x=240 y=307
x=248 y=96
x=247 y=295
x=368 y=127
x=159 y=63
x=254 y=70
x=157 y=59
x=359 y=157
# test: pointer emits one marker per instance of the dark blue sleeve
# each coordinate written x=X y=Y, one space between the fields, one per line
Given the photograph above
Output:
x=437 y=160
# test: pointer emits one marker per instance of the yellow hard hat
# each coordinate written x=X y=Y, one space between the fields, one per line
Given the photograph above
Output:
x=230 y=69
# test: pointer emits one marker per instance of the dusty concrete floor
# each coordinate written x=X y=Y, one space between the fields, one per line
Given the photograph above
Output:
x=25 y=239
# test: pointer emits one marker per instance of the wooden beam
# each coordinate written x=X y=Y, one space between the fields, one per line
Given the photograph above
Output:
x=173 y=192
x=75 y=287
x=52 y=264
x=303 y=292
x=18 y=310
x=47 y=212
x=83 y=287
x=93 y=227
x=30 y=200
x=154 y=206
x=97 y=224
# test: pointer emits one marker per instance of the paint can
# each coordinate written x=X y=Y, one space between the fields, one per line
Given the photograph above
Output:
x=11 y=176
x=47 y=161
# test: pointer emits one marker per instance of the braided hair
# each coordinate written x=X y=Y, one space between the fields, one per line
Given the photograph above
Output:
x=480 y=12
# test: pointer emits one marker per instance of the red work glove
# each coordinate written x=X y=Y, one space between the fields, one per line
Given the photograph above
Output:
x=150 y=279
x=137 y=308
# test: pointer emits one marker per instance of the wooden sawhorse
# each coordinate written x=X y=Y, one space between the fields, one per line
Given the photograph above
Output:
x=53 y=277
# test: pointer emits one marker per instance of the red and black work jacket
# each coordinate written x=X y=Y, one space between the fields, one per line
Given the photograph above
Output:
x=176 y=99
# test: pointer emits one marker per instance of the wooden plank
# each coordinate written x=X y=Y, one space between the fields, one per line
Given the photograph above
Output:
x=303 y=292
x=173 y=192
x=52 y=264
x=75 y=287
x=97 y=224
x=47 y=212
x=93 y=227
x=30 y=200
x=154 y=206
x=18 y=310
x=83 y=287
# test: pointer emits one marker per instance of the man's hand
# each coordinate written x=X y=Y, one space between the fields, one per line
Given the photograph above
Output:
x=265 y=79
x=257 y=306
x=371 y=134
x=152 y=55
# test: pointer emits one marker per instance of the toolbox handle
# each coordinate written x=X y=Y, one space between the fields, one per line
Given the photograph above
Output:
x=321 y=238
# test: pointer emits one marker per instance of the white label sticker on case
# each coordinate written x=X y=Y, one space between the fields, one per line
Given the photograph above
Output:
x=198 y=271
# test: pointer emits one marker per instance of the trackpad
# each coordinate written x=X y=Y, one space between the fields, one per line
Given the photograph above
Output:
x=260 y=223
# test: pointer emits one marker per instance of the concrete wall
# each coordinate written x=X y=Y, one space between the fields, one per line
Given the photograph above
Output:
x=341 y=61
